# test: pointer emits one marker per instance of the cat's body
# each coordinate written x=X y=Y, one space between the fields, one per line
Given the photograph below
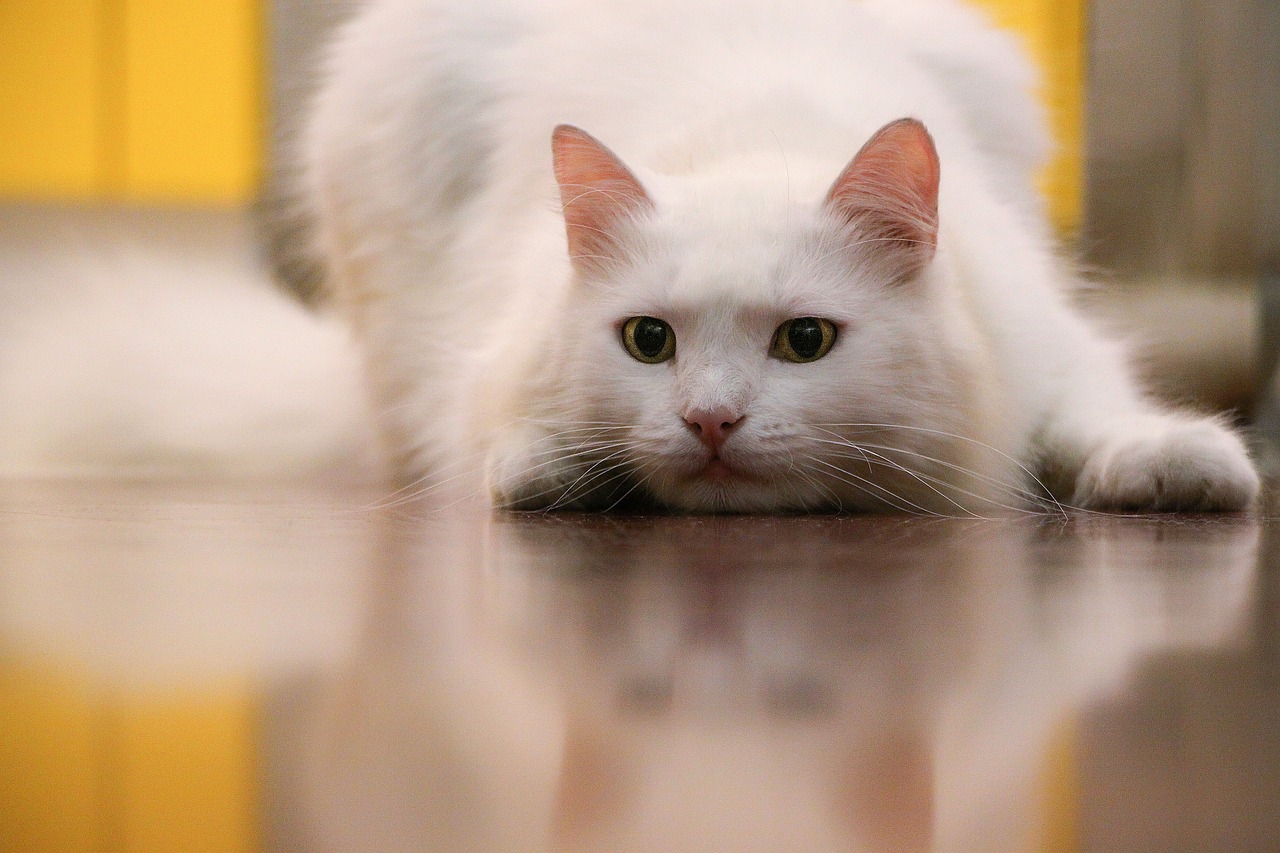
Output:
x=958 y=374
x=719 y=311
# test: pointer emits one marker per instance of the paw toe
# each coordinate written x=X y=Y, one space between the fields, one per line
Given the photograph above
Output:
x=1168 y=467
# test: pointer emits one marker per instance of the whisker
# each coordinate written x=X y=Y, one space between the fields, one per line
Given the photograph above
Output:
x=599 y=481
x=930 y=481
x=640 y=482
x=415 y=490
x=614 y=448
x=1016 y=491
x=1028 y=496
x=817 y=484
x=592 y=475
x=863 y=484
x=560 y=454
x=441 y=469
x=919 y=477
x=943 y=433
x=421 y=486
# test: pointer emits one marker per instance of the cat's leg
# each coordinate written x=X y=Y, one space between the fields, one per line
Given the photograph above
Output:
x=521 y=471
x=532 y=467
x=1107 y=448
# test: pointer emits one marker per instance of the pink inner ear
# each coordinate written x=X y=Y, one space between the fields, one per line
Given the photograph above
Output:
x=597 y=192
x=889 y=193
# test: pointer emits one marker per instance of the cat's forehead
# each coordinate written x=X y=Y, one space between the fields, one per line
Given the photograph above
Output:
x=745 y=264
x=760 y=261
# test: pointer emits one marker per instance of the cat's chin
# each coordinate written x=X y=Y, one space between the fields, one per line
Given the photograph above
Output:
x=720 y=489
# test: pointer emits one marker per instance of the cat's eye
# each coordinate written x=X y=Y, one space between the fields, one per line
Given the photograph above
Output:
x=648 y=339
x=803 y=339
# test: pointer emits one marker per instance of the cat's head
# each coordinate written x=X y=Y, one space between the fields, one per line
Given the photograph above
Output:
x=735 y=351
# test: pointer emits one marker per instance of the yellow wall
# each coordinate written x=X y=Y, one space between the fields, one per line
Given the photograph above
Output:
x=50 y=89
x=161 y=100
x=143 y=100
x=191 y=115
x=1054 y=31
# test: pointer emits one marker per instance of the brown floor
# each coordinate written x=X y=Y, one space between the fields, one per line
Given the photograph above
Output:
x=290 y=669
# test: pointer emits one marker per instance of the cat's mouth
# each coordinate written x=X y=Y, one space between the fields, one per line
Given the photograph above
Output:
x=717 y=470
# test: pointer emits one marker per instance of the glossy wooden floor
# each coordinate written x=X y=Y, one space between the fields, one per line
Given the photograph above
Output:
x=188 y=669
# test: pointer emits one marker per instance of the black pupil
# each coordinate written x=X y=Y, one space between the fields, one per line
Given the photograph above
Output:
x=805 y=337
x=650 y=336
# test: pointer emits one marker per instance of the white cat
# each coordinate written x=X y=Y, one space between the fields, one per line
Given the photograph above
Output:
x=722 y=310
x=728 y=313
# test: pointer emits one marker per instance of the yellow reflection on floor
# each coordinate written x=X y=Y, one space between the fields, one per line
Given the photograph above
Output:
x=1060 y=793
x=91 y=768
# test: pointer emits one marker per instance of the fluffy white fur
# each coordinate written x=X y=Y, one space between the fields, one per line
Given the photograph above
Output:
x=144 y=364
x=960 y=381
x=962 y=388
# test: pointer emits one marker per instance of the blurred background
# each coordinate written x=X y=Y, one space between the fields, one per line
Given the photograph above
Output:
x=167 y=124
x=1182 y=186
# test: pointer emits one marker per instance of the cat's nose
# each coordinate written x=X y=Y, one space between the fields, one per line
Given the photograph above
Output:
x=711 y=426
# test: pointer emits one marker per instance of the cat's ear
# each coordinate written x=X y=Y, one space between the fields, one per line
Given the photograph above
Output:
x=889 y=194
x=598 y=194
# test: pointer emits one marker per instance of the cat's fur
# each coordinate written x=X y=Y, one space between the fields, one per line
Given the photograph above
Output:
x=727 y=202
x=960 y=380
x=130 y=349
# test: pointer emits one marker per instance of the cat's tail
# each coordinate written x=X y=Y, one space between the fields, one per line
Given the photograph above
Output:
x=142 y=364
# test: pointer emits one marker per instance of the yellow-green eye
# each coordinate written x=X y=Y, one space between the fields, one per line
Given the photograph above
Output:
x=803 y=339
x=648 y=339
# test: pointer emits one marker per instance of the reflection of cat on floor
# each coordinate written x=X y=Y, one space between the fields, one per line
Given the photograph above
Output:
x=812 y=686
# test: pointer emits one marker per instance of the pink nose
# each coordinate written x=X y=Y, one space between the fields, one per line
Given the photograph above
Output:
x=711 y=427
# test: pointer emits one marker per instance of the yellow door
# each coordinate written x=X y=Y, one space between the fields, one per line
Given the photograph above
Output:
x=136 y=100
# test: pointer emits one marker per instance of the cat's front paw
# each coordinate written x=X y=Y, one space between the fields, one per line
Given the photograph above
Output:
x=1166 y=463
x=520 y=471
x=528 y=469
